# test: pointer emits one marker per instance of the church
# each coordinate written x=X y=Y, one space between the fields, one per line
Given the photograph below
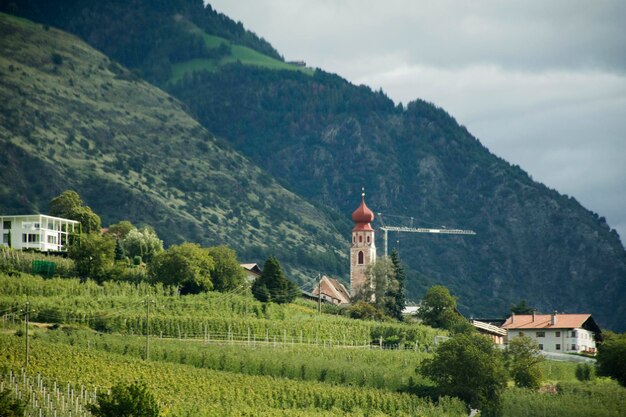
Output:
x=363 y=248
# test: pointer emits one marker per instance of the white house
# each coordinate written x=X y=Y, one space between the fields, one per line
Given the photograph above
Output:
x=36 y=231
x=560 y=333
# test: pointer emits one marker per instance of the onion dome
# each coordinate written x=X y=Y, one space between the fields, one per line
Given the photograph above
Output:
x=362 y=216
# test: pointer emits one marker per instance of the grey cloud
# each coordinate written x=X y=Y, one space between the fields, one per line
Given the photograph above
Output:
x=533 y=34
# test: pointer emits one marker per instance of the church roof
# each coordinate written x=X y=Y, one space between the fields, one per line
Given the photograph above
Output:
x=362 y=216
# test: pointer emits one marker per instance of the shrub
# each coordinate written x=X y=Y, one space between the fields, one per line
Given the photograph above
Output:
x=585 y=372
x=9 y=405
x=126 y=401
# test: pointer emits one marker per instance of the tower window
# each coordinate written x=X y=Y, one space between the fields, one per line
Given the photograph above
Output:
x=353 y=239
x=368 y=239
x=360 y=258
x=360 y=239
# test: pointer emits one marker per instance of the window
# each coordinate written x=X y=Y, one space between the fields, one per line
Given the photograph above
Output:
x=24 y=238
x=368 y=239
x=541 y=334
x=574 y=347
x=540 y=346
x=360 y=258
x=6 y=224
x=574 y=333
x=521 y=334
x=52 y=239
x=33 y=238
x=360 y=239
x=558 y=346
x=5 y=238
x=558 y=334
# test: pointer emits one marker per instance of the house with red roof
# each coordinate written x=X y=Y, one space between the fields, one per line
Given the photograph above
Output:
x=560 y=333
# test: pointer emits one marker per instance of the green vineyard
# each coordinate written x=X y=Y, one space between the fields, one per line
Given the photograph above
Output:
x=225 y=354
x=187 y=390
x=121 y=308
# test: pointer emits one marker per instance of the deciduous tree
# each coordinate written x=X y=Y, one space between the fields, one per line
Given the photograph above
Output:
x=523 y=358
x=438 y=308
x=228 y=273
x=470 y=367
x=69 y=205
x=93 y=255
x=121 y=229
x=142 y=242
x=187 y=266
x=380 y=286
x=611 y=357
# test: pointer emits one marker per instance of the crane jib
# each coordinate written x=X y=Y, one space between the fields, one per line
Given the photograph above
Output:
x=386 y=229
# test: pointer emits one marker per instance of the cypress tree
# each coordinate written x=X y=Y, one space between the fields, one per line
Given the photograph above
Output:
x=119 y=250
x=273 y=286
x=397 y=298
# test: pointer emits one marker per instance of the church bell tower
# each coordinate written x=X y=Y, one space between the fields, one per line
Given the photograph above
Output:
x=363 y=249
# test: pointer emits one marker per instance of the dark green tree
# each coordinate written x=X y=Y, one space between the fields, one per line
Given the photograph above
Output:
x=125 y=401
x=438 y=308
x=470 y=367
x=611 y=357
x=523 y=358
x=119 y=250
x=10 y=406
x=69 y=205
x=228 y=274
x=187 y=266
x=93 y=255
x=522 y=308
x=585 y=372
x=64 y=203
x=396 y=298
x=273 y=285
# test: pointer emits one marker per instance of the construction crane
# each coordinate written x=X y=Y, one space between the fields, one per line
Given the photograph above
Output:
x=387 y=229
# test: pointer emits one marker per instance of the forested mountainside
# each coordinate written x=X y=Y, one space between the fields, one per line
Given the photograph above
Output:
x=149 y=36
x=325 y=138
x=70 y=118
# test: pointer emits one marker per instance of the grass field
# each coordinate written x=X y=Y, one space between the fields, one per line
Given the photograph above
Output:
x=238 y=54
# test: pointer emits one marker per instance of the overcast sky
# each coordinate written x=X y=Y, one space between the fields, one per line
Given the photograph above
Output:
x=541 y=83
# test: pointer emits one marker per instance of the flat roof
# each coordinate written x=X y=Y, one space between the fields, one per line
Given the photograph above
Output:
x=38 y=215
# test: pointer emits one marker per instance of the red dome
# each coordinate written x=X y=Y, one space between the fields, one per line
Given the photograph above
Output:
x=362 y=216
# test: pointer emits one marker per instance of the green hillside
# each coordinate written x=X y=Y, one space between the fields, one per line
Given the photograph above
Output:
x=72 y=118
x=325 y=138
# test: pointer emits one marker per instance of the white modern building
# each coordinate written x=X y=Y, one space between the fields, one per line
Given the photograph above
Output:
x=36 y=231
x=560 y=333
